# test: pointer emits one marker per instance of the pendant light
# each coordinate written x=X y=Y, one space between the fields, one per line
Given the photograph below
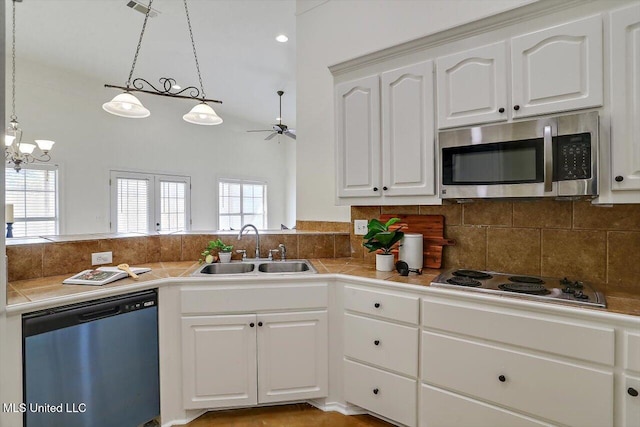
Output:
x=127 y=105
x=17 y=152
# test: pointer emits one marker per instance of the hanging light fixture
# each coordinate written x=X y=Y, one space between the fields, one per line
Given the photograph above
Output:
x=17 y=152
x=127 y=105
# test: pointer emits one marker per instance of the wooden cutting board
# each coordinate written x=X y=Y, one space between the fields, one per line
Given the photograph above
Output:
x=432 y=229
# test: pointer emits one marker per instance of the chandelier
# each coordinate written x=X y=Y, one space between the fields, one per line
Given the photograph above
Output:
x=127 y=105
x=17 y=152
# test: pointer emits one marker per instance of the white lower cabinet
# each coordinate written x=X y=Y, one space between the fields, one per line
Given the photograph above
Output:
x=441 y=408
x=390 y=395
x=630 y=401
x=241 y=360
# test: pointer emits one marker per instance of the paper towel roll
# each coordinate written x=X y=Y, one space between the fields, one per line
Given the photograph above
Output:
x=411 y=250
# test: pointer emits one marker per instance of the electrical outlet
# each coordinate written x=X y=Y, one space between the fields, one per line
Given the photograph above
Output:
x=360 y=227
x=101 y=258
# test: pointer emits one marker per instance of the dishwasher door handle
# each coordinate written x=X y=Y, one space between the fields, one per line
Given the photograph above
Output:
x=94 y=315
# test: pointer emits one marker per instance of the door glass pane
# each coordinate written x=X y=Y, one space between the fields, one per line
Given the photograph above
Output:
x=173 y=216
x=132 y=205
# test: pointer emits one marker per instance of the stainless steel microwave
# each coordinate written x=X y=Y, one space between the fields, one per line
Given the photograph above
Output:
x=547 y=157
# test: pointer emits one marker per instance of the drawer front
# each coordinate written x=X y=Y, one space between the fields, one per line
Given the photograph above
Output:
x=382 y=304
x=380 y=343
x=445 y=409
x=632 y=351
x=384 y=393
x=592 y=343
x=535 y=385
x=243 y=298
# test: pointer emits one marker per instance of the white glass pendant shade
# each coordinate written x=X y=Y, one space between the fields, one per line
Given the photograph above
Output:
x=27 y=148
x=44 y=144
x=202 y=114
x=8 y=140
x=126 y=105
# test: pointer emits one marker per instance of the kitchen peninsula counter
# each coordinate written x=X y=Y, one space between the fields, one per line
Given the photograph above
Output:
x=34 y=294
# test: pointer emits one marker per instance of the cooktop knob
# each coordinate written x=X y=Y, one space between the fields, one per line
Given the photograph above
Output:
x=565 y=281
x=568 y=290
x=578 y=285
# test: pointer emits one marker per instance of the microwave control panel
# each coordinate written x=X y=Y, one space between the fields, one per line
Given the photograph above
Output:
x=572 y=157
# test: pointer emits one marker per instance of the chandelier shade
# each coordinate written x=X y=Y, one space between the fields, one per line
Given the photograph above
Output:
x=126 y=105
x=202 y=114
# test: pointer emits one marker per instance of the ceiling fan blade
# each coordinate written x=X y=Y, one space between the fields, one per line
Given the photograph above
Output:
x=261 y=130
x=271 y=136
x=290 y=133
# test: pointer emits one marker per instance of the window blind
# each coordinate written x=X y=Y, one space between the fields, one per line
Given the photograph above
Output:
x=172 y=206
x=240 y=203
x=34 y=195
x=132 y=205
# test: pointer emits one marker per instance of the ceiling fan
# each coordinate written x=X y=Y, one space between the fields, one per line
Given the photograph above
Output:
x=280 y=128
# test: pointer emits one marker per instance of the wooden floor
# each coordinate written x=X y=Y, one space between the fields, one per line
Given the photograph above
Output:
x=298 y=415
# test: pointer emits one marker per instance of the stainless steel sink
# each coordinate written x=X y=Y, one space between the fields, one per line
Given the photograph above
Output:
x=284 y=267
x=227 y=268
x=256 y=267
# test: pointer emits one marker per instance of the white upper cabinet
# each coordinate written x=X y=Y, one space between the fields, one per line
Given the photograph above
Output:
x=401 y=161
x=625 y=98
x=408 y=131
x=358 y=137
x=558 y=68
x=472 y=86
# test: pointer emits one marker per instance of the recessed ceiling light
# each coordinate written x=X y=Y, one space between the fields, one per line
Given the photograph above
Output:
x=282 y=38
x=176 y=87
x=278 y=118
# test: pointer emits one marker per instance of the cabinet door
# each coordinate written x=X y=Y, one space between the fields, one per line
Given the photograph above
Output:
x=408 y=167
x=631 y=401
x=558 y=68
x=358 y=137
x=472 y=86
x=292 y=356
x=625 y=98
x=219 y=361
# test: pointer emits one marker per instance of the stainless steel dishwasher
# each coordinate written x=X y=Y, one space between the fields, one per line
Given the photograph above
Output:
x=92 y=364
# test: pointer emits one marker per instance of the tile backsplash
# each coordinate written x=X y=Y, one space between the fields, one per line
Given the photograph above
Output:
x=31 y=261
x=543 y=237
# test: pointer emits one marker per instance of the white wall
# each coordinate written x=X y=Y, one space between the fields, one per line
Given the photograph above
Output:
x=66 y=107
x=335 y=31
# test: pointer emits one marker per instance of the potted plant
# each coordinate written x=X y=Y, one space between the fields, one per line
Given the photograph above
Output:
x=224 y=251
x=382 y=238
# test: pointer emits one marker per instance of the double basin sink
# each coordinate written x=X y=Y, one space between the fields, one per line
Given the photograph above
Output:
x=256 y=267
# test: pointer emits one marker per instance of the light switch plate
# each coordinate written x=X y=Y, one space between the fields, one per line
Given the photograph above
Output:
x=98 y=258
x=360 y=227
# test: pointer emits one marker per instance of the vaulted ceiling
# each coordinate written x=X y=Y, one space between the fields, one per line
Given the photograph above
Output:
x=241 y=62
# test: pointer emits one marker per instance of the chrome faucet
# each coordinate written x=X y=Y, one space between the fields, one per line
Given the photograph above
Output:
x=283 y=252
x=257 y=237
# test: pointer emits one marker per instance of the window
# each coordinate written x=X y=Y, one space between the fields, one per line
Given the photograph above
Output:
x=34 y=194
x=240 y=203
x=144 y=202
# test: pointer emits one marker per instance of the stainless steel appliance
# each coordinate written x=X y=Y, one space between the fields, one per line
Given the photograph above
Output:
x=547 y=157
x=547 y=289
x=92 y=364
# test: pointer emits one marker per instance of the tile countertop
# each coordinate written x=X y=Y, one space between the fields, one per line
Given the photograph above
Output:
x=46 y=288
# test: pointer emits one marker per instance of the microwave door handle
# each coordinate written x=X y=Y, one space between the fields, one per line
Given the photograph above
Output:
x=548 y=160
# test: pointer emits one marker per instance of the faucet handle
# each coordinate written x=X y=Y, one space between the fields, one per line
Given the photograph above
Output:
x=271 y=252
x=243 y=252
x=283 y=250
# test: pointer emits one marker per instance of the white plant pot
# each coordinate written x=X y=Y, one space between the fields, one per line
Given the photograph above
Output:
x=225 y=256
x=384 y=262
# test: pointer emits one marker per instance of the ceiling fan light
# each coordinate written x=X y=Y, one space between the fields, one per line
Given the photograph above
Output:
x=202 y=114
x=126 y=105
